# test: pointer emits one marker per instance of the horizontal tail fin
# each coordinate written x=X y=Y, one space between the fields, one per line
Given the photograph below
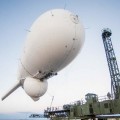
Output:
x=16 y=85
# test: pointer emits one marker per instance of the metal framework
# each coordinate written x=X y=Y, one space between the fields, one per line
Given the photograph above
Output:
x=112 y=63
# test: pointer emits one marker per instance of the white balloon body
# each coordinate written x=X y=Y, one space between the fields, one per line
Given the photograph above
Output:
x=53 y=41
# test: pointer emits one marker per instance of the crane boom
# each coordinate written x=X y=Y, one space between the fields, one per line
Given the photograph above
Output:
x=112 y=63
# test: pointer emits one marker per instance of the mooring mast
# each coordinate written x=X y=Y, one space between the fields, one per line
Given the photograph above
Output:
x=112 y=63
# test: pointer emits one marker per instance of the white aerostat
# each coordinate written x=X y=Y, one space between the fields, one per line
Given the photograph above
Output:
x=53 y=41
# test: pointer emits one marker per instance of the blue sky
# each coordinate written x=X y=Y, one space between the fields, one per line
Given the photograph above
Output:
x=87 y=73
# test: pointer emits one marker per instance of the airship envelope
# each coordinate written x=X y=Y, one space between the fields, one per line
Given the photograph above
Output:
x=53 y=41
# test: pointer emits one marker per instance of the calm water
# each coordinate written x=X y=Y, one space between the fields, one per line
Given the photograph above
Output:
x=24 y=119
x=19 y=116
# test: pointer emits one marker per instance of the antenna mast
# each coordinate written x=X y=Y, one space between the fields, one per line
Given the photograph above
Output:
x=112 y=63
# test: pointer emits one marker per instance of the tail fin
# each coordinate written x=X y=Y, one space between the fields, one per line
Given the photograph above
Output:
x=16 y=85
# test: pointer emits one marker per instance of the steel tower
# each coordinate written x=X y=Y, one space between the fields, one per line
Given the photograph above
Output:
x=112 y=63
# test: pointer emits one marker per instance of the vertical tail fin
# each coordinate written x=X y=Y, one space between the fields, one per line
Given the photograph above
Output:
x=15 y=86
